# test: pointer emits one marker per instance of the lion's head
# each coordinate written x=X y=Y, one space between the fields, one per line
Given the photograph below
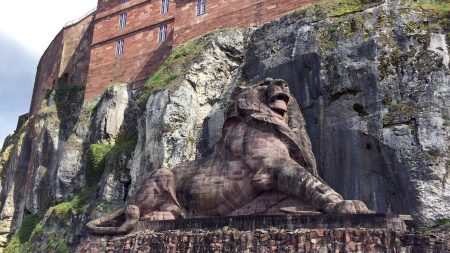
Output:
x=269 y=98
x=270 y=101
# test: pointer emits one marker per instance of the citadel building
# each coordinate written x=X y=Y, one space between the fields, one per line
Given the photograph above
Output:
x=127 y=40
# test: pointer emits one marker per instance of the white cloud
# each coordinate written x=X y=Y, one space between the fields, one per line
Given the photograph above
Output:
x=26 y=30
x=36 y=23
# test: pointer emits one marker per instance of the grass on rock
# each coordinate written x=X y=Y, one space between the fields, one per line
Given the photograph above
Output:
x=174 y=66
x=18 y=242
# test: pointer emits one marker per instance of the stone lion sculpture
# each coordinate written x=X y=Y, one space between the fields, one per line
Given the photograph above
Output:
x=264 y=147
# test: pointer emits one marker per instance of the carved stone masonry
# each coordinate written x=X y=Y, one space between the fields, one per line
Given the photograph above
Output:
x=264 y=154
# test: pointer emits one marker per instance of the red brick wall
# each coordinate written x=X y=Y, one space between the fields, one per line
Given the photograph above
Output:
x=67 y=56
x=142 y=51
x=139 y=17
x=143 y=54
x=84 y=53
x=76 y=53
x=106 y=7
x=227 y=13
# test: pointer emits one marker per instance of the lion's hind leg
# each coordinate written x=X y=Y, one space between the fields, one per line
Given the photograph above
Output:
x=167 y=211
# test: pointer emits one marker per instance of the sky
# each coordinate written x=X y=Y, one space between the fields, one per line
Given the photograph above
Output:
x=26 y=29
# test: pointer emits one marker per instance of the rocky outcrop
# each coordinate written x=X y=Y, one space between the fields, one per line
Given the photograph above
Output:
x=13 y=170
x=61 y=140
x=48 y=156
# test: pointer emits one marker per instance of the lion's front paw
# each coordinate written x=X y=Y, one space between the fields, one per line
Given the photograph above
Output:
x=352 y=206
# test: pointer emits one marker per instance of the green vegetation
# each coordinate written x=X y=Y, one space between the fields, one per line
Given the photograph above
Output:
x=387 y=100
x=412 y=127
x=327 y=42
x=191 y=139
x=404 y=108
x=446 y=122
x=28 y=224
x=402 y=112
x=174 y=66
x=61 y=89
x=438 y=226
x=439 y=7
x=57 y=245
x=122 y=144
x=99 y=153
x=77 y=203
x=19 y=241
x=5 y=156
x=63 y=210
x=432 y=153
x=12 y=143
x=61 y=107
x=342 y=27
x=442 y=222
x=330 y=8
x=56 y=239
x=160 y=79
x=96 y=162
x=32 y=230
x=341 y=7
x=87 y=110
x=47 y=93
x=437 y=13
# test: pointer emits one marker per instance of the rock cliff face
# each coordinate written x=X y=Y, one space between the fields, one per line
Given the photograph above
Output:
x=372 y=81
x=375 y=95
x=186 y=119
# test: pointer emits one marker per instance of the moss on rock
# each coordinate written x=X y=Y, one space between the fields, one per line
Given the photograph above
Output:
x=19 y=242
x=12 y=144
x=96 y=162
x=399 y=113
x=174 y=66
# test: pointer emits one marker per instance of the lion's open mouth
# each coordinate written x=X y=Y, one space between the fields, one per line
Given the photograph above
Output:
x=278 y=102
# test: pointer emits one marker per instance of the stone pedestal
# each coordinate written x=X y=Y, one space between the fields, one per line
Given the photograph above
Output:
x=291 y=222
x=272 y=233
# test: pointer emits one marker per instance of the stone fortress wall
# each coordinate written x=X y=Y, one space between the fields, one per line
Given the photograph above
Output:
x=66 y=60
x=84 y=53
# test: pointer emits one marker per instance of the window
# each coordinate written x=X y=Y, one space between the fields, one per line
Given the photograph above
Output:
x=123 y=1
x=201 y=7
x=119 y=47
x=162 y=33
x=164 y=6
x=122 y=20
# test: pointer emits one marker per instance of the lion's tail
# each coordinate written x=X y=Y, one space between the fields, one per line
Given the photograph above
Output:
x=105 y=225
